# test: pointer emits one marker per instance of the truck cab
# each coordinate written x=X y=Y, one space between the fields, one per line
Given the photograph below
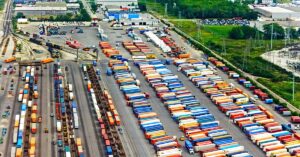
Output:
x=189 y=146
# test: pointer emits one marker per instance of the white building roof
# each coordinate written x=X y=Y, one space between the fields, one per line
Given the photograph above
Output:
x=73 y=5
x=27 y=8
x=275 y=10
x=110 y=1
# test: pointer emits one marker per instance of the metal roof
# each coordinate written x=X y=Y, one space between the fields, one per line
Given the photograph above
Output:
x=275 y=10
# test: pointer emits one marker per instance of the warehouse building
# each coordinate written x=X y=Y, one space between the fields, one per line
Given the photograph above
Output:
x=117 y=2
x=43 y=8
x=73 y=6
x=277 y=13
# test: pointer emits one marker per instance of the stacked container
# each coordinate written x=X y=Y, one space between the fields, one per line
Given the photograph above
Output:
x=200 y=127
x=108 y=50
x=255 y=121
x=149 y=122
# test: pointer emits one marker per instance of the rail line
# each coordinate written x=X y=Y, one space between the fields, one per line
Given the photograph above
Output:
x=113 y=136
x=79 y=110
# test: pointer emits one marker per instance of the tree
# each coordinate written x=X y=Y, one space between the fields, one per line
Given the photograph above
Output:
x=278 y=31
x=294 y=34
x=19 y=47
x=19 y=15
x=236 y=33
x=51 y=18
x=94 y=7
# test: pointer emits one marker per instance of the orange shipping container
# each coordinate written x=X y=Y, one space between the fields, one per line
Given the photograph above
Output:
x=269 y=114
x=47 y=60
x=186 y=55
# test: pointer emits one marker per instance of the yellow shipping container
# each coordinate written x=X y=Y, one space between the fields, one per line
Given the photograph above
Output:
x=19 y=152
x=78 y=142
x=32 y=151
x=33 y=118
x=32 y=142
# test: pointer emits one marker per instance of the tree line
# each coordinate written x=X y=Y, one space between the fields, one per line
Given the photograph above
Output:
x=208 y=8
x=246 y=32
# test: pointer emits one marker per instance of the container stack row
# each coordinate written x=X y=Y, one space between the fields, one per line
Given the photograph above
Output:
x=157 y=41
x=254 y=120
x=148 y=120
x=200 y=127
x=104 y=117
x=108 y=50
x=25 y=125
x=176 y=51
x=138 y=49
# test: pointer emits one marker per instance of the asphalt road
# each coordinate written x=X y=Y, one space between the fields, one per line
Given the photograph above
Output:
x=8 y=100
x=13 y=101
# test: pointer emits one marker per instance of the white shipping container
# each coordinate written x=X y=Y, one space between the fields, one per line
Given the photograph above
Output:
x=24 y=75
x=68 y=154
x=70 y=87
x=169 y=152
x=15 y=135
x=204 y=147
x=76 y=123
x=235 y=149
x=71 y=96
x=58 y=126
x=20 y=97
x=29 y=103
x=23 y=113
x=24 y=101
x=27 y=79
x=13 y=152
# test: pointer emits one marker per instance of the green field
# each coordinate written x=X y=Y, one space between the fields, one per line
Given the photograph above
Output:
x=201 y=8
x=2 y=2
x=244 y=54
x=285 y=89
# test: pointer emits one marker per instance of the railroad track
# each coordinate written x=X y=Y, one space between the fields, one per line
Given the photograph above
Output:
x=40 y=113
x=117 y=147
x=7 y=18
x=52 y=104
x=79 y=110
x=5 y=46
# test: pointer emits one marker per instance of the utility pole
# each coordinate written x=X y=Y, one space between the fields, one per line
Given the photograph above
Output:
x=294 y=87
x=272 y=36
x=224 y=47
x=77 y=54
x=179 y=15
x=198 y=23
x=166 y=9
